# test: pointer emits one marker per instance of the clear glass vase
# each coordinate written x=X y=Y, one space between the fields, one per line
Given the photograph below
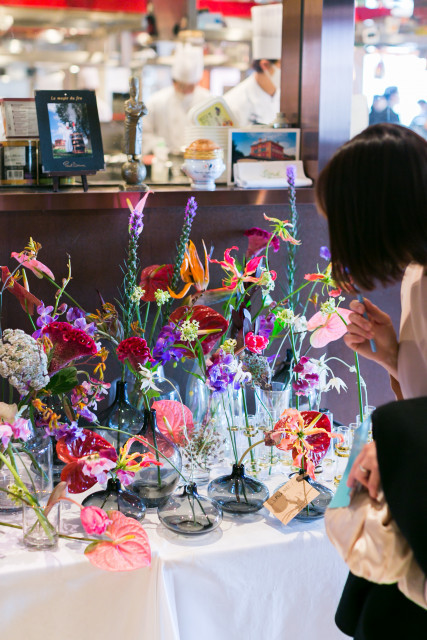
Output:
x=115 y=497
x=40 y=530
x=168 y=388
x=238 y=493
x=189 y=514
x=120 y=415
x=154 y=484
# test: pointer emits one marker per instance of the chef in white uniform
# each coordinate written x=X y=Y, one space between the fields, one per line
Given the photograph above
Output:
x=256 y=100
x=167 y=109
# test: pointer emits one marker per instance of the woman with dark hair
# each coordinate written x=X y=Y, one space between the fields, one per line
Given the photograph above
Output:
x=373 y=193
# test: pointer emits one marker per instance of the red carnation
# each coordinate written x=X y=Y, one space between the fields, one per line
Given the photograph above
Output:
x=254 y=343
x=155 y=277
x=69 y=343
x=135 y=350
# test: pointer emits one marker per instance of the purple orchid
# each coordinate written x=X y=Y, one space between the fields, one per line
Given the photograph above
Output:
x=221 y=373
x=325 y=253
x=266 y=325
x=164 y=350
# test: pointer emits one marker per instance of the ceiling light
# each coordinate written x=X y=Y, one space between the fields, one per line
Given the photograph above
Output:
x=74 y=68
x=15 y=46
x=6 y=21
x=53 y=36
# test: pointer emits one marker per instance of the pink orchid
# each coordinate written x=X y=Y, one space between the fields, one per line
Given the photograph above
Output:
x=94 y=520
x=127 y=549
x=328 y=328
x=98 y=466
x=37 y=267
x=173 y=418
x=21 y=429
x=6 y=433
x=236 y=278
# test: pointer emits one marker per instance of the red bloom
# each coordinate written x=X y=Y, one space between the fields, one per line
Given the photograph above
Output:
x=75 y=453
x=135 y=350
x=69 y=343
x=26 y=299
x=212 y=325
x=157 y=276
x=254 y=343
x=258 y=240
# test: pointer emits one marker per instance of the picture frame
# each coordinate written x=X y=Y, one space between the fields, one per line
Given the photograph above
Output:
x=262 y=144
x=70 y=133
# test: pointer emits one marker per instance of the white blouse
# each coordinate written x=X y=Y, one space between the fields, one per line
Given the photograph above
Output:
x=412 y=356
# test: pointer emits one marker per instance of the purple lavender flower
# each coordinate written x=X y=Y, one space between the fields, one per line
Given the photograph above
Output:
x=325 y=253
x=190 y=210
x=164 y=349
x=290 y=174
x=136 y=223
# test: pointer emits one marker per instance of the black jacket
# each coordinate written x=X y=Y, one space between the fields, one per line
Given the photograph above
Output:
x=369 y=611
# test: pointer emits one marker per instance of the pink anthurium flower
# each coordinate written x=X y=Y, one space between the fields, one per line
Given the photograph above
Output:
x=34 y=265
x=127 y=549
x=328 y=328
x=173 y=419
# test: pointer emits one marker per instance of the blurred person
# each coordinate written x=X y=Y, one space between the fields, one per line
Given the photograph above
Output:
x=383 y=110
x=256 y=100
x=168 y=108
x=419 y=123
x=373 y=193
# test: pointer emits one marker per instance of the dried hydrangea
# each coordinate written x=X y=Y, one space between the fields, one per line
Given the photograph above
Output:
x=258 y=366
x=23 y=361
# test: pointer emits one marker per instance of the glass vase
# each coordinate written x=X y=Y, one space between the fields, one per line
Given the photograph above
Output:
x=115 y=497
x=168 y=388
x=189 y=514
x=154 y=484
x=209 y=441
x=40 y=531
x=120 y=415
x=238 y=493
x=270 y=404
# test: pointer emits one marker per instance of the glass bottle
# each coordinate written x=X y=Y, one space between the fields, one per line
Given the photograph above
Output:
x=120 y=415
x=115 y=497
x=189 y=514
x=154 y=484
x=237 y=492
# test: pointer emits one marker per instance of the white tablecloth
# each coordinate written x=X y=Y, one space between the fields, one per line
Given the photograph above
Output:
x=252 y=579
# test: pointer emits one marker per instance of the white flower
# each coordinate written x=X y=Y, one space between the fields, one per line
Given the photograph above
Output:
x=300 y=324
x=242 y=377
x=328 y=307
x=266 y=282
x=161 y=297
x=189 y=330
x=286 y=316
x=337 y=384
x=137 y=294
x=147 y=379
x=23 y=361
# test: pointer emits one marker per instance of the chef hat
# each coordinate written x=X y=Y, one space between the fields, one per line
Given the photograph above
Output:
x=187 y=63
x=267 y=32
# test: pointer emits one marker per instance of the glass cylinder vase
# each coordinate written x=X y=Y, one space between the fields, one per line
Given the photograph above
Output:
x=120 y=415
x=40 y=530
x=238 y=493
x=154 y=484
x=189 y=514
x=115 y=497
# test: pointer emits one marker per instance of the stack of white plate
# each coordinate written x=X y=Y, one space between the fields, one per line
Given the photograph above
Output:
x=217 y=134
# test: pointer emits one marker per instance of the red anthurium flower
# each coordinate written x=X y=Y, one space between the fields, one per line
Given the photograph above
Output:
x=155 y=277
x=26 y=299
x=135 y=350
x=69 y=343
x=127 y=549
x=236 y=278
x=173 y=418
x=75 y=455
x=254 y=343
x=37 y=267
x=212 y=325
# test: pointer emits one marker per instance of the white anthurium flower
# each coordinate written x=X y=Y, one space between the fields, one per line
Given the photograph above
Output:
x=8 y=412
x=337 y=384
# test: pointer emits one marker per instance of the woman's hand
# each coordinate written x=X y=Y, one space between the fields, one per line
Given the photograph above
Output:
x=377 y=327
x=365 y=470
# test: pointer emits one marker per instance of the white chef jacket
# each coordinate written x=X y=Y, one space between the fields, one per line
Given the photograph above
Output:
x=251 y=104
x=167 y=117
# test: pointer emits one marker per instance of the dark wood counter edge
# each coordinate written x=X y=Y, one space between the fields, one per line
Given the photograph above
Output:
x=102 y=198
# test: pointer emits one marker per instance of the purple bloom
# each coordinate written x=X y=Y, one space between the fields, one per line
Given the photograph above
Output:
x=43 y=319
x=221 y=373
x=325 y=253
x=164 y=349
x=125 y=477
x=68 y=431
x=190 y=210
x=290 y=174
x=90 y=329
x=74 y=313
x=307 y=376
x=266 y=325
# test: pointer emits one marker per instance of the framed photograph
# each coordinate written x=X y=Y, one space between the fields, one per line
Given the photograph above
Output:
x=70 y=135
x=256 y=144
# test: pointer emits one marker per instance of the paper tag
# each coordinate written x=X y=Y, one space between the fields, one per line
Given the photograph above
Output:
x=291 y=498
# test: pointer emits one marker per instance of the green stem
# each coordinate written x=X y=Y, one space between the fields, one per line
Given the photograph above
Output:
x=245 y=453
x=291 y=336
x=359 y=388
x=153 y=327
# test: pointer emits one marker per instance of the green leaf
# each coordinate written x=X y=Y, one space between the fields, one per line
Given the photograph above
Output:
x=91 y=547
x=63 y=381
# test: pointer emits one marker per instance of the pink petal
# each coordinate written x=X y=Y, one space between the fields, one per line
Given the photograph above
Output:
x=33 y=265
x=127 y=554
x=175 y=414
x=252 y=265
x=141 y=204
x=227 y=257
x=326 y=330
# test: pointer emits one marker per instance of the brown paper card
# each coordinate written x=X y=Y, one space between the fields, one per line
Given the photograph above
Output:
x=291 y=498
